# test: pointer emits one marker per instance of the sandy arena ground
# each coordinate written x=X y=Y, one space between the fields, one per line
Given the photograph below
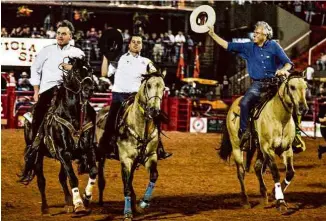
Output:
x=193 y=185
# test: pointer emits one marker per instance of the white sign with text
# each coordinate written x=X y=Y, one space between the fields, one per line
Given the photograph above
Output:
x=22 y=51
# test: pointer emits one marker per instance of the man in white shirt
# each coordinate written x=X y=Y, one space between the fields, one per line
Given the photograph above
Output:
x=45 y=72
x=127 y=80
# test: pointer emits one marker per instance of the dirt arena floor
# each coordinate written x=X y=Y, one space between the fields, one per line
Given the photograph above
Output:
x=193 y=185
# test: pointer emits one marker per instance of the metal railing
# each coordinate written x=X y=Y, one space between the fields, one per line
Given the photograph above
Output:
x=312 y=48
x=296 y=41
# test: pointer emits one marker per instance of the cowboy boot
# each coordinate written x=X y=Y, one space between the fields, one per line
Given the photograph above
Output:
x=161 y=154
x=244 y=139
x=298 y=144
x=321 y=150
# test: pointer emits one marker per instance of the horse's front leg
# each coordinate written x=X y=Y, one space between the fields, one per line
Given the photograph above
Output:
x=288 y=162
x=279 y=196
x=127 y=172
x=63 y=181
x=91 y=165
x=151 y=166
x=101 y=179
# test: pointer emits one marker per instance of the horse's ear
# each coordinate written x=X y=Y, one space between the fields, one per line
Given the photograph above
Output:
x=151 y=68
x=163 y=72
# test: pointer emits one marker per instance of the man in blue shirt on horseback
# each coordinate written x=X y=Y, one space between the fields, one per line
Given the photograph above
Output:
x=264 y=57
x=127 y=80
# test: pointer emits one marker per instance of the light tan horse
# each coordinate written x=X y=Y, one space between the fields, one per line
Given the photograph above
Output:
x=276 y=131
x=137 y=141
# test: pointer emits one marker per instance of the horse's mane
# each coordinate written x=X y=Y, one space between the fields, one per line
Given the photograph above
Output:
x=145 y=77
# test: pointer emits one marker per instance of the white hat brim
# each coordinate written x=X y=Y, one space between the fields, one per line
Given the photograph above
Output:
x=210 y=21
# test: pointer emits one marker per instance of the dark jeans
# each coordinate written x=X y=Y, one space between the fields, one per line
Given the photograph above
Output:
x=117 y=100
x=248 y=101
x=41 y=108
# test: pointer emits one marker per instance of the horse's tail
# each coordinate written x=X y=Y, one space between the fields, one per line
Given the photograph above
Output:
x=31 y=157
x=226 y=147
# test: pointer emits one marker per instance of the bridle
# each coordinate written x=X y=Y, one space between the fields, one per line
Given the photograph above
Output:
x=73 y=75
x=144 y=105
x=286 y=90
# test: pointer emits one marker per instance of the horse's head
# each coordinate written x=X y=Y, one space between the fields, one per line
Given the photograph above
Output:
x=151 y=93
x=80 y=78
x=295 y=93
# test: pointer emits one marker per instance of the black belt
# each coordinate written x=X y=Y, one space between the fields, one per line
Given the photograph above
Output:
x=267 y=80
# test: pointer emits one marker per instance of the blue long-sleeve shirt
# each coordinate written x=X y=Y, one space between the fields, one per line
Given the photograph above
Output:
x=262 y=61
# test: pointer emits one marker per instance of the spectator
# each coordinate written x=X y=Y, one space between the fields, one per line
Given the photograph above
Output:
x=297 y=8
x=16 y=32
x=23 y=82
x=321 y=63
x=35 y=33
x=99 y=33
x=26 y=33
x=158 y=50
x=225 y=87
x=179 y=40
x=92 y=35
x=171 y=36
x=11 y=80
x=47 y=22
x=126 y=39
x=309 y=73
x=51 y=33
x=218 y=90
x=190 y=48
x=4 y=33
x=42 y=33
x=322 y=120
x=309 y=11
x=168 y=46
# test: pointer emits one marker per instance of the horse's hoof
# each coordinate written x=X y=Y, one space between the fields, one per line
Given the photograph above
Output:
x=140 y=210
x=281 y=205
x=45 y=211
x=69 y=209
x=87 y=200
x=80 y=208
x=246 y=206
x=128 y=217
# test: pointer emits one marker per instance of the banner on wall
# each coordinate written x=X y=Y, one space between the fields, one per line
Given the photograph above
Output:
x=309 y=128
x=22 y=51
x=198 y=125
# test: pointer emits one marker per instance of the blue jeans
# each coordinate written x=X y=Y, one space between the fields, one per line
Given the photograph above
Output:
x=248 y=101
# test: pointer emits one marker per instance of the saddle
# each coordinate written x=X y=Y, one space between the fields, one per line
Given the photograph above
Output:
x=270 y=88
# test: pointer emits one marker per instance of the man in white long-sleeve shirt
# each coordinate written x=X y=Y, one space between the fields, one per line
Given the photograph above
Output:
x=46 y=73
x=127 y=80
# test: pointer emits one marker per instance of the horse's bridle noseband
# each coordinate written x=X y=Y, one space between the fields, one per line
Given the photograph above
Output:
x=288 y=92
x=80 y=82
x=143 y=105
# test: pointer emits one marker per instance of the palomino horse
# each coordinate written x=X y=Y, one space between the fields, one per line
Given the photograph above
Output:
x=138 y=141
x=276 y=131
x=66 y=134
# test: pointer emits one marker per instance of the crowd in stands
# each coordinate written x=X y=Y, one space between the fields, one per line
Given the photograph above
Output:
x=159 y=47
x=321 y=62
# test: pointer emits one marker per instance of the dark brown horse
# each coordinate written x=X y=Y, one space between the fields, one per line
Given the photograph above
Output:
x=66 y=134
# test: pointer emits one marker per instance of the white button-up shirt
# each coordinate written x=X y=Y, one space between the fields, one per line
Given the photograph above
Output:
x=45 y=70
x=127 y=75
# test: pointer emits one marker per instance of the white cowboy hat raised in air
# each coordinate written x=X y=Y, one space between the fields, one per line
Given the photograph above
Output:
x=198 y=17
